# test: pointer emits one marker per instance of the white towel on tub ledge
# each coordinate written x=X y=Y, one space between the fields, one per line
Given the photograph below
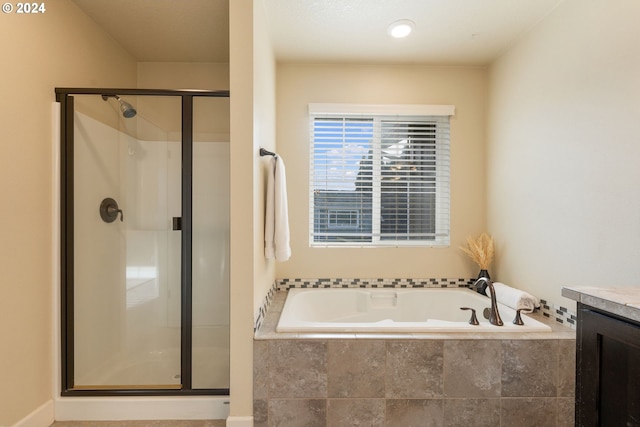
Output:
x=276 y=227
x=515 y=298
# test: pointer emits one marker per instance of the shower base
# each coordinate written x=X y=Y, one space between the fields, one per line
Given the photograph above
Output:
x=141 y=408
x=162 y=367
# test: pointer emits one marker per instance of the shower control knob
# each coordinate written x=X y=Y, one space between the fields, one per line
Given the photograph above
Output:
x=109 y=210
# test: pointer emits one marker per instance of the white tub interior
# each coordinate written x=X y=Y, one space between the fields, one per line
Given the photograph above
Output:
x=394 y=310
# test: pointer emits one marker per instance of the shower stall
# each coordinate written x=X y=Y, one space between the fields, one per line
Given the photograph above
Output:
x=144 y=242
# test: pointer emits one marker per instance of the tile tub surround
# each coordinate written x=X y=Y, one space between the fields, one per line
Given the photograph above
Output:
x=412 y=379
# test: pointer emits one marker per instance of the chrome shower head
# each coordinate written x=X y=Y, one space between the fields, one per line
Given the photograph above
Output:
x=127 y=109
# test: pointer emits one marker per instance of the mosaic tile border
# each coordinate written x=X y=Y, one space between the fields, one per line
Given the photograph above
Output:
x=560 y=314
x=262 y=311
x=285 y=284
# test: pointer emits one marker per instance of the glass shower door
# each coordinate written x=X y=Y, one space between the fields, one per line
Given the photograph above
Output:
x=210 y=256
x=144 y=242
x=126 y=244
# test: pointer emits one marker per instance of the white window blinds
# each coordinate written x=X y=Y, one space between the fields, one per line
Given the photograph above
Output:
x=379 y=179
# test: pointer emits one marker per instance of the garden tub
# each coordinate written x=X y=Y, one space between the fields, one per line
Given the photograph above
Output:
x=394 y=310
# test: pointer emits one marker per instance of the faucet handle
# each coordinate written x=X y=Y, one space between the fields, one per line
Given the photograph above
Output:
x=474 y=319
x=518 y=319
x=109 y=210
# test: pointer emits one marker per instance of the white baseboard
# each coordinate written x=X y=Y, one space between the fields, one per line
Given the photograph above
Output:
x=41 y=417
x=240 y=422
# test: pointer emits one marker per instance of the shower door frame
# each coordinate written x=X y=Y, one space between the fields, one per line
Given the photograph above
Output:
x=65 y=97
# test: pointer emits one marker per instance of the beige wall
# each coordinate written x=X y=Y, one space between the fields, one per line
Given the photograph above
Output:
x=563 y=151
x=183 y=75
x=465 y=87
x=252 y=80
x=244 y=162
x=61 y=47
x=264 y=135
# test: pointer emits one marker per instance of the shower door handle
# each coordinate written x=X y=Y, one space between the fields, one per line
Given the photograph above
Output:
x=177 y=223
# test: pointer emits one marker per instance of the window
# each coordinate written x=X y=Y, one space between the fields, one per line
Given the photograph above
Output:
x=379 y=179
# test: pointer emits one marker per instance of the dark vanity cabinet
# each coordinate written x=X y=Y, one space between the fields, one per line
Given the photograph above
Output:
x=607 y=369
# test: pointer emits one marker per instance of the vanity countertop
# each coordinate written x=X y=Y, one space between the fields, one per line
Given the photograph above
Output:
x=623 y=302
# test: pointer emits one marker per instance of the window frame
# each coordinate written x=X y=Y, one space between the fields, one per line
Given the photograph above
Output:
x=378 y=113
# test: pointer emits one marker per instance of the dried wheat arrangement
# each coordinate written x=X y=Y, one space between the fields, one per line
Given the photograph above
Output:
x=480 y=250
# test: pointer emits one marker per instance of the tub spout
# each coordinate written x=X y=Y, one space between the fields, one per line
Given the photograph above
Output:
x=494 y=315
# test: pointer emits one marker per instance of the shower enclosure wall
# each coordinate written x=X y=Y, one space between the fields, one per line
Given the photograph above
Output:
x=145 y=242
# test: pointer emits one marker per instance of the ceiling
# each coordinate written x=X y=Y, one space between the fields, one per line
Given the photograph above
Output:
x=469 y=32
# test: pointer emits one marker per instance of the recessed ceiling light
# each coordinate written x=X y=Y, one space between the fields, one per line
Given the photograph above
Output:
x=401 y=28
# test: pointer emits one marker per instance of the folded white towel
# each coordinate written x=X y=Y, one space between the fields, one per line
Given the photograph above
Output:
x=515 y=298
x=276 y=227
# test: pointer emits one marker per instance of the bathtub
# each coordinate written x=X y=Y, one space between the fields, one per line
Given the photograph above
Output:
x=394 y=310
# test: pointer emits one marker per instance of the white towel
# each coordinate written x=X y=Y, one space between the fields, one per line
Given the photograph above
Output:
x=515 y=298
x=276 y=227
